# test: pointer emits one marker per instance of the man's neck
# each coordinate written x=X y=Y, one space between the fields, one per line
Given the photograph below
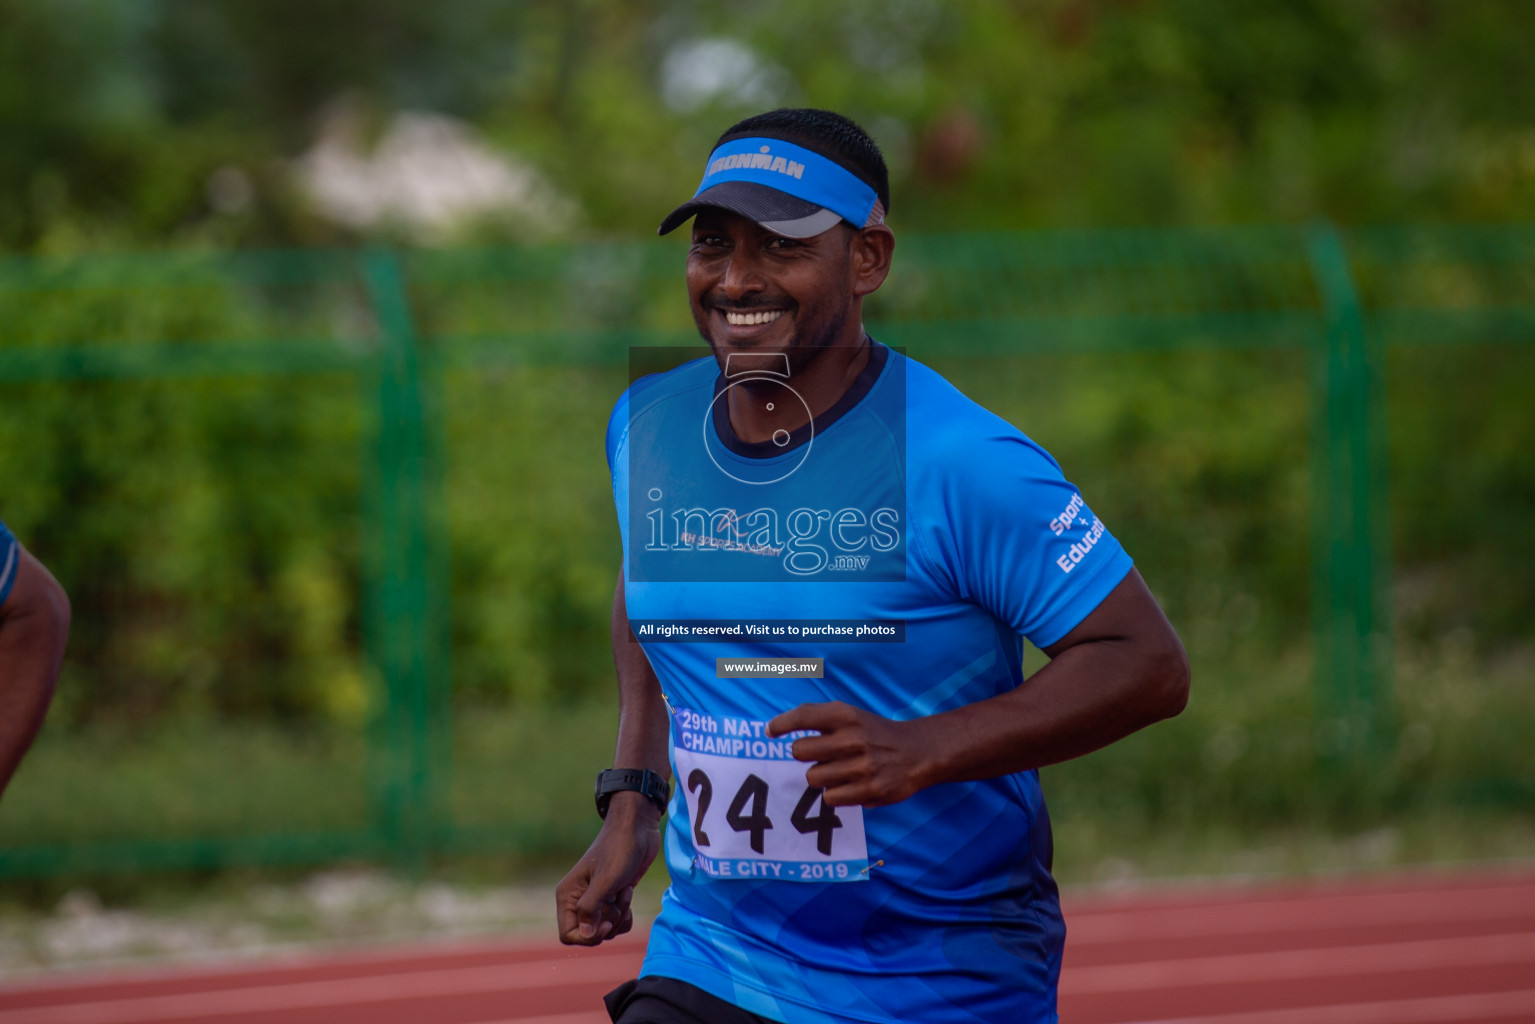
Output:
x=756 y=414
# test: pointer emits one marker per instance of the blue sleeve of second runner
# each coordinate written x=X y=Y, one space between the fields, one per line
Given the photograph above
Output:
x=10 y=555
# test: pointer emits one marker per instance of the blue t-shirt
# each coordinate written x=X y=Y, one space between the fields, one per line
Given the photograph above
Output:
x=10 y=554
x=906 y=507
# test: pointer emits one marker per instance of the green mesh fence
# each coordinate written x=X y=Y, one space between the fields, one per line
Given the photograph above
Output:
x=330 y=519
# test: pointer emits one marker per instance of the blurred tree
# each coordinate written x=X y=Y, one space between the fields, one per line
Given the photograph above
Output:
x=1050 y=112
x=135 y=123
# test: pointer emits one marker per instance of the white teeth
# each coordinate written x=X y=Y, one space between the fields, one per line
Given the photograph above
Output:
x=752 y=319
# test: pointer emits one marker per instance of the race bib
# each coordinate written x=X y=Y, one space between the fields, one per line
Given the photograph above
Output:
x=752 y=813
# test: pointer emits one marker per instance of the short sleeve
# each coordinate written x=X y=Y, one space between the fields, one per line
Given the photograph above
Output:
x=10 y=555
x=634 y=399
x=1019 y=540
x=618 y=426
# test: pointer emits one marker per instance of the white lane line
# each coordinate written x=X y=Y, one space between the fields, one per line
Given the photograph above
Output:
x=1383 y=958
x=335 y=992
x=1303 y=913
x=1431 y=1010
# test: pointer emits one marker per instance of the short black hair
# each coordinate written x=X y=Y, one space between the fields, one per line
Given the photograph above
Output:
x=830 y=134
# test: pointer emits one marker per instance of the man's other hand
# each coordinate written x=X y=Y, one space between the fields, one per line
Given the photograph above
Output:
x=593 y=900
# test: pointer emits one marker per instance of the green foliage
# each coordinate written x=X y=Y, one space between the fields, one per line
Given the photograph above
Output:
x=211 y=526
x=994 y=115
x=187 y=778
x=1463 y=490
x=205 y=527
x=532 y=532
x=187 y=439
x=1244 y=755
x=1198 y=461
x=1233 y=784
x=207 y=534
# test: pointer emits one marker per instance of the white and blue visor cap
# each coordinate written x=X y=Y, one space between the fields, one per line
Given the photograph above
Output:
x=790 y=190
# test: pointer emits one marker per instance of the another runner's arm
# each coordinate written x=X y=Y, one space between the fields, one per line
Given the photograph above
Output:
x=34 y=625
x=1121 y=669
x=593 y=900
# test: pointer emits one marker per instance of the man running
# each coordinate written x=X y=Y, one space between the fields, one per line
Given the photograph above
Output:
x=857 y=833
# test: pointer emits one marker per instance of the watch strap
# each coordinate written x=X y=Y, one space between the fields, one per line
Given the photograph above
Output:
x=639 y=780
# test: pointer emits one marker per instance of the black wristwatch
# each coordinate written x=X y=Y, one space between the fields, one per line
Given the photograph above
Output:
x=617 y=780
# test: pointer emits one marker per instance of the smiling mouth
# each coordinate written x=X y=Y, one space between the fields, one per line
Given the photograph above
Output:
x=751 y=319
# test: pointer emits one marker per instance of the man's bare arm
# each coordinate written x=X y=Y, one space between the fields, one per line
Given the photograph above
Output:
x=643 y=722
x=1121 y=669
x=34 y=625
x=593 y=899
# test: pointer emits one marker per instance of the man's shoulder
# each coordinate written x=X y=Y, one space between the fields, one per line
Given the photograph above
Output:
x=654 y=389
x=940 y=410
x=949 y=432
x=656 y=392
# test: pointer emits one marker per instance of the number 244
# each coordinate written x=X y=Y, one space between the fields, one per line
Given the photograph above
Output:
x=754 y=790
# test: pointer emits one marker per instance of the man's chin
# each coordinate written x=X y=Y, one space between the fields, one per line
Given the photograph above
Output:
x=748 y=351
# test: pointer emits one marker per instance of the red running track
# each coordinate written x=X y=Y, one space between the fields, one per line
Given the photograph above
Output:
x=1405 y=950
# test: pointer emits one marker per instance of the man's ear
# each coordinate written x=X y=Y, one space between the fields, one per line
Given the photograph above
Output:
x=872 y=249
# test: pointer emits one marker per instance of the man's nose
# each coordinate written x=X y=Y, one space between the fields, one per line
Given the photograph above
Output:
x=743 y=275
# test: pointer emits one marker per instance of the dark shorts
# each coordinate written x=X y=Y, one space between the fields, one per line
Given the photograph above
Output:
x=668 y=1001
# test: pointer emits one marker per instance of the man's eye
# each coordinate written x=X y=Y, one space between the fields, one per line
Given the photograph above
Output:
x=783 y=243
